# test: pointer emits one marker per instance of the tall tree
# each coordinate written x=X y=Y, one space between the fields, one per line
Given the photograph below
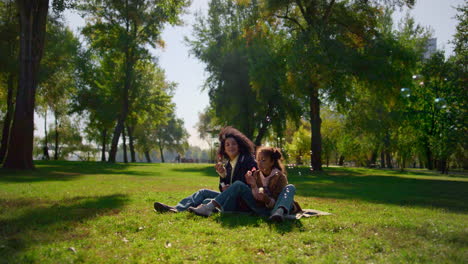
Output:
x=57 y=73
x=98 y=75
x=33 y=17
x=128 y=26
x=171 y=136
x=329 y=40
x=9 y=30
x=244 y=59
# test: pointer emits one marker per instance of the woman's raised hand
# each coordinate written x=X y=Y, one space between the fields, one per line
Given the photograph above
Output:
x=220 y=168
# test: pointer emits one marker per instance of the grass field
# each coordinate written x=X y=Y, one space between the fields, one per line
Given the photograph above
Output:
x=76 y=212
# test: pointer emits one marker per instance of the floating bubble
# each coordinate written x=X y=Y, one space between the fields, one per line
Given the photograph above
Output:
x=405 y=92
x=440 y=103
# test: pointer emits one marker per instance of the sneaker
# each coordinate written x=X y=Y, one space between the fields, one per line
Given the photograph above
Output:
x=162 y=208
x=203 y=210
x=277 y=216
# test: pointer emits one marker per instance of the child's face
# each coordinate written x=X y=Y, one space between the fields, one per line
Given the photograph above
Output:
x=265 y=163
x=231 y=148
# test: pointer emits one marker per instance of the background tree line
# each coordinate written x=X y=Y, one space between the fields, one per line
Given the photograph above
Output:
x=327 y=80
x=334 y=81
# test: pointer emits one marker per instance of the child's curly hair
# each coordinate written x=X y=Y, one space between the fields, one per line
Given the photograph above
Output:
x=246 y=146
x=275 y=155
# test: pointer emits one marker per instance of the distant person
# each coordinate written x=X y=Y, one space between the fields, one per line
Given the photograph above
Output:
x=238 y=150
x=266 y=193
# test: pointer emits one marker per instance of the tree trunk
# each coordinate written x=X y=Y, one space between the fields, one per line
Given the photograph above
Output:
x=46 y=139
x=103 y=149
x=161 y=150
x=429 y=158
x=33 y=16
x=442 y=166
x=382 y=159
x=388 y=157
x=129 y=63
x=341 y=162
x=115 y=139
x=124 y=140
x=315 y=123
x=148 y=157
x=8 y=116
x=263 y=128
x=373 y=159
x=261 y=134
x=56 y=138
x=130 y=141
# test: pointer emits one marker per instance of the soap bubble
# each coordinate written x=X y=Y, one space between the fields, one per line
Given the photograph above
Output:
x=405 y=92
x=440 y=103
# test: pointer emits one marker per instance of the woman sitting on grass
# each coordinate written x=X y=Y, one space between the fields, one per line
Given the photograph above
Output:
x=269 y=193
x=238 y=150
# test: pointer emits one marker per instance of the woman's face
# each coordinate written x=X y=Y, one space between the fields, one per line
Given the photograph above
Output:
x=265 y=163
x=231 y=147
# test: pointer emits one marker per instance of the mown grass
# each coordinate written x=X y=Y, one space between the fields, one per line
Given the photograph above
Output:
x=78 y=212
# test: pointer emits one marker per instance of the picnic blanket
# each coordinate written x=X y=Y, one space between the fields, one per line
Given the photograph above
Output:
x=305 y=213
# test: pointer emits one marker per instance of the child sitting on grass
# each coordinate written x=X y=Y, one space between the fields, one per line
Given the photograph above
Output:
x=267 y=191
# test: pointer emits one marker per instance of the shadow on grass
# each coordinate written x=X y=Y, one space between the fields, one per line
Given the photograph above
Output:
x=232 y=220
x=44 y=222
x=205 y=170
x=69 y=170
x=342 y=183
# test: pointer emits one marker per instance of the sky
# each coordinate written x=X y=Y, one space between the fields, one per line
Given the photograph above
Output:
x=188 y=72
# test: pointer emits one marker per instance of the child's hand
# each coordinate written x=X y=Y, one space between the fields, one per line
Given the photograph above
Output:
x=225 y=187
x=250 y=179
x=259 y=195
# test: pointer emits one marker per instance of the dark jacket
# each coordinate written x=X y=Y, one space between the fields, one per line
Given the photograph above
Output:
x=245 y=162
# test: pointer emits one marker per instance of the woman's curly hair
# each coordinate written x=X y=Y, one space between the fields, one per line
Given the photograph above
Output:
x=246 y=146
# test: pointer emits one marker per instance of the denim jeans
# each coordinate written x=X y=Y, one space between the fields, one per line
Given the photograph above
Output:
x=286 y=198
x=204 y=196
x=199 y=197
x=242 y=190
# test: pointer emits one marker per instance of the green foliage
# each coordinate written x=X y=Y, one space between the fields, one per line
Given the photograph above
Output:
x=461 y=38
x=71 y=144
x=436 y=106
x=172 y=136
x=299 y=148
x=244 y=59
x=57 y=80
x=9 y=50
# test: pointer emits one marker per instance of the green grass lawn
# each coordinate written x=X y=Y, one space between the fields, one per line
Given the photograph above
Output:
x=77 y=212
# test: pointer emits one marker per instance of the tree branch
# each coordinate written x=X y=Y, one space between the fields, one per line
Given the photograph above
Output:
x=293 y=20
x=328 y=11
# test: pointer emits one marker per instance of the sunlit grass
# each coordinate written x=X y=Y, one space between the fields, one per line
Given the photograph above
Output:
x=75 y=212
